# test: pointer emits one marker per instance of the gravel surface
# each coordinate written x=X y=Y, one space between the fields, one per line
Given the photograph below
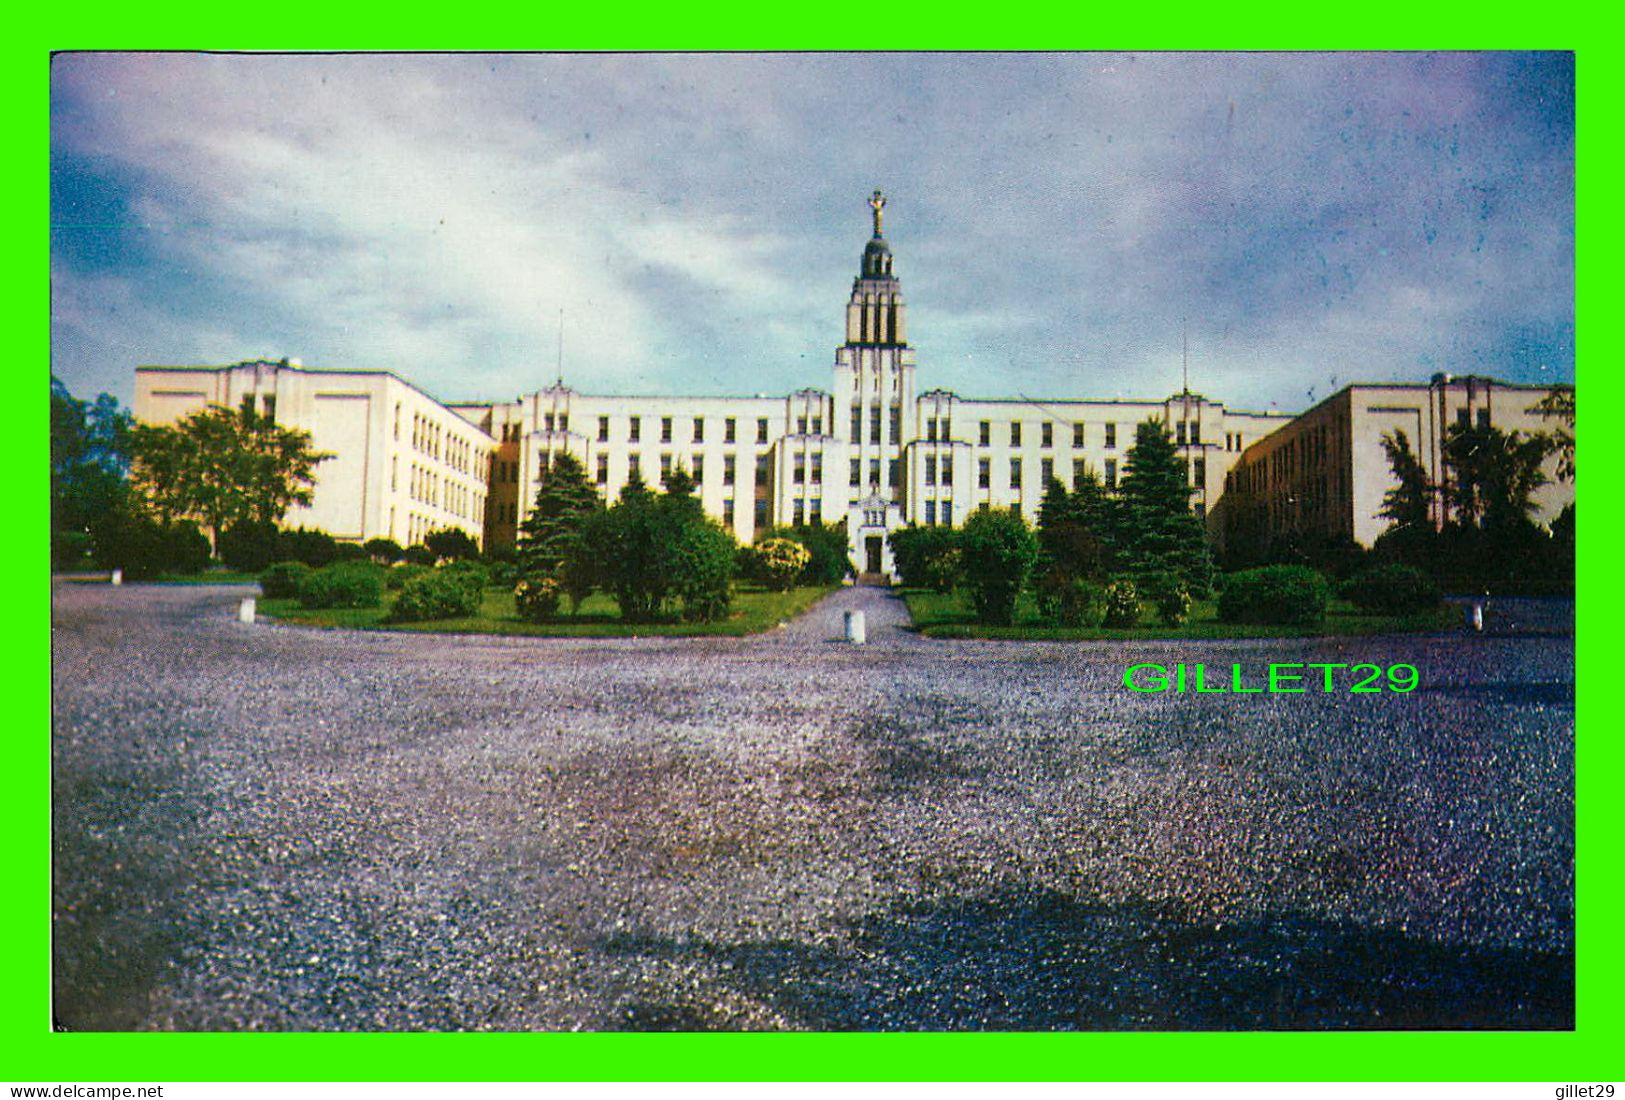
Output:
x=270 y=827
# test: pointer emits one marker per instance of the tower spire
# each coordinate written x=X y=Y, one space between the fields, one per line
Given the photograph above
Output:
x=877 y=202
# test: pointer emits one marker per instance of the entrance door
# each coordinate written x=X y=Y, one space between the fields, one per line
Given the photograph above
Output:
x=871 y=547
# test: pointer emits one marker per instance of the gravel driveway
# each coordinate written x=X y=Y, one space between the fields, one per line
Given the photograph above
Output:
x=272 y=827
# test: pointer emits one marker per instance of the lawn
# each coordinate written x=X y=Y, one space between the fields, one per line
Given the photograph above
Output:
x=950 y=616
x=754 y=610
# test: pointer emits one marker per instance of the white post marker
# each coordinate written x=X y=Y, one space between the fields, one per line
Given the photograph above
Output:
x=118 y=576
x=245 y=610
x=1475 y=615
x=855 y=627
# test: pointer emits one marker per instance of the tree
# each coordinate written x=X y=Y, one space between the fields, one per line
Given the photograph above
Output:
x=1157 y=531
x=1406 y=506
x=90 y=455
x=1494 y=474
x=1559 y=405
x=549 y=536
x=224 y=466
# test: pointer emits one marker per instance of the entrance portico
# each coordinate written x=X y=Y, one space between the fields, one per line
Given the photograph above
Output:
x=869 y=523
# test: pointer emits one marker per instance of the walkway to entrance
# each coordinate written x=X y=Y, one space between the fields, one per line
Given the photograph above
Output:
x=885 y=616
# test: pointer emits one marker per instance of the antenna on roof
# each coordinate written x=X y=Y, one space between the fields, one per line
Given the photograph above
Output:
x=1185 y=355
x=561 y=347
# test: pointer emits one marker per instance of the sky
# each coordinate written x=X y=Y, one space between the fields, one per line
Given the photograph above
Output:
x=1064 y=225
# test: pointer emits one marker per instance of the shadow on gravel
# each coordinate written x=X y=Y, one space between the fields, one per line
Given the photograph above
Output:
x=1025 y=961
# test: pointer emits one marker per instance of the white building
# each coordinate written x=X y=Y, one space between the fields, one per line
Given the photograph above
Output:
x=872 y=450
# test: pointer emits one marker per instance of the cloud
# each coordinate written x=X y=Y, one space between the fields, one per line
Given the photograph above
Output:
x=1058 y=219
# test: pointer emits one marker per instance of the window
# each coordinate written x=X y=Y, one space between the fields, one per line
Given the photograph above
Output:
x=947 y=470
x=800 y=476
x=761 y=512
x=1046 y=434
x=1179 y=433
x=633 y=471
x=1201 y=472
x=268 y=407
x=665 y=429
x=874 y=472
x=547 y=421
x=728 y=512
x=799 y=514
x=816 y=509
x=983 y=476
x=874 y=424
x=1111 y=473
x=761 y=431
x=801 y=425
x=603 y=469
x=818 y=425
x=634 y=429
x=699 y=429
x=1077 y=435
x=697 y=466
x=857 y=472
x=728 y=430
x=1196 y=431
x=1464 y=418
x=931 y=430
x=947 y=513
x=984 y=431
x=564 y=422
x=1015 y=473
x=1111 y=436
x=891 y=472
x=665 y=468
x=896 y=426
x=1047 y=472
x=817 y=469
x=1483 y=414
x=856 y=433
x=1015 y=433
x=727 y=469
x=930 y=471
x=930 y=513
x=603 y=429
x=248 y=405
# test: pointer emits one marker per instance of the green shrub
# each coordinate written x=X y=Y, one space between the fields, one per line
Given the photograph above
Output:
x=471 y=571
x=314 y=548
x=397 y=576
x=827 y=561
x=438 y=594
x=451 y=543
x=250 y=547
x=1122 y=604
x=1067 y=600
x=538 y=598
x=928 y=557
x=1169 y=595
x=997 y=550
x=282 y=580
x=1392 y=589
x=1293 y=595
x=702 y=561
x=419 y=554
x=501 y=574
x=781 y=563
x=383 y=551
x=144 y=548
x=343 y=584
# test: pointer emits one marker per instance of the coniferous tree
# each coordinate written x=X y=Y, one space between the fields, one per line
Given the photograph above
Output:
x=1158 y=534
x=564 y=501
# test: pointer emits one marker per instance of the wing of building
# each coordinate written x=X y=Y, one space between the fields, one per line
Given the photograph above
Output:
x=872 y=450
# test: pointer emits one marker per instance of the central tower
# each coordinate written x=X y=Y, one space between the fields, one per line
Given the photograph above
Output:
x=873 y=401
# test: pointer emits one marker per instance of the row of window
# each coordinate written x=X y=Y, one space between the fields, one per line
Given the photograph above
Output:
x=267 y=407
x=730 y=426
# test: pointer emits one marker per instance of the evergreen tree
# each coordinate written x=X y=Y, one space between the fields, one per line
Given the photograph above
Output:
x=564 y=501
x=1406 y=505
x=1494 y=474
x=1157 y=531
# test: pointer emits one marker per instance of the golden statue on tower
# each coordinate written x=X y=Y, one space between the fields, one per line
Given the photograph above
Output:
x=878 y=203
